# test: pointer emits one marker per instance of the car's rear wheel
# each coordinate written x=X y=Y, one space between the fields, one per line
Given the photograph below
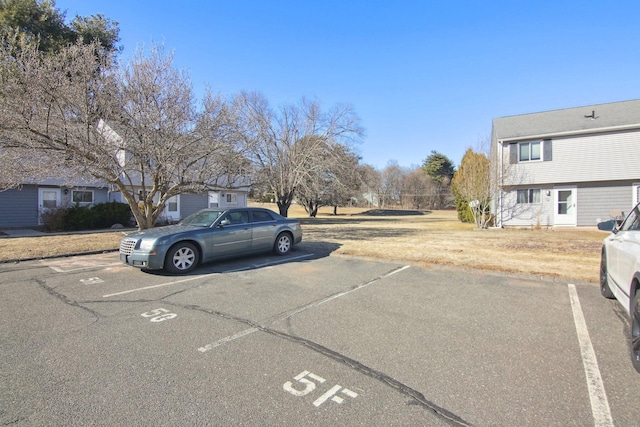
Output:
x=283 y=244
x=605 y=290
x=635 y=330
x=182 y=258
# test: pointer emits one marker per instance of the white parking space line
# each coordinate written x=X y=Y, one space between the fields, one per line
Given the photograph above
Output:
x=597 y=395
x=205 y=275
x=341 y=294
x=227 y=339
x=252 y=266
x=300 y=310
x=71 y=270
x=175 y=282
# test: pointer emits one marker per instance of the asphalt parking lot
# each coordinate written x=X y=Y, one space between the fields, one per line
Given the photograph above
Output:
x=307 y=339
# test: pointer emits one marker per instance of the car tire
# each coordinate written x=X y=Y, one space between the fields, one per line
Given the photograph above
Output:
x=635 y=330
x=182 y=258
x=605 y=290
x=283 y=244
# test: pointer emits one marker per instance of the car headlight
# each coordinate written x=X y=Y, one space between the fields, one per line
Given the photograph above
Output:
x=146 y=245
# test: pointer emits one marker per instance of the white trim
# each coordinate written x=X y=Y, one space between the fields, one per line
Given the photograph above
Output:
x=571 y=218
x=172 y=216
x=41 y=199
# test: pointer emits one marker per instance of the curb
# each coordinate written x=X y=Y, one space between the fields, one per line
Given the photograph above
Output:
x=18 y=261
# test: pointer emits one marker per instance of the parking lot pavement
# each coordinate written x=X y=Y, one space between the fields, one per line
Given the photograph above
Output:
x=306 y=340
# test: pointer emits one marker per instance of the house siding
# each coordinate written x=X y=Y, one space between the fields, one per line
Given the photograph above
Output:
x=525 y=215
x=19 y=207
x=192 y=203
x=598 y=200
x=581 y=159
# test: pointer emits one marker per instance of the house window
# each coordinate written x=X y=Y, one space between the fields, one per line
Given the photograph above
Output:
x=529 y=151
x=529 y=196
x=82 y=197
x=232 y=199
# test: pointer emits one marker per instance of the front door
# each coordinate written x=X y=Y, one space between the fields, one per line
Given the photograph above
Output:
x=48 y=199
x=172 y=209
x=565 y=206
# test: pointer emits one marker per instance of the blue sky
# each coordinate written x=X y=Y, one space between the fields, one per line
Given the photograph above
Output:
x=422 y=75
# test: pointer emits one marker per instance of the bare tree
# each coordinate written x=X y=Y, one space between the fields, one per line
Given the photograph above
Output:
x=419 y=188
x=392 y=185
x=370 y=183
x=472 y=182
x=136 y=129
x=288 y=145
x=332 y=182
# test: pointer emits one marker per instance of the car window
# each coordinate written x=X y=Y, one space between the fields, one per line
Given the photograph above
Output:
x=202 y=218
x=237 y=217
x=261 y=216
x=632 y=223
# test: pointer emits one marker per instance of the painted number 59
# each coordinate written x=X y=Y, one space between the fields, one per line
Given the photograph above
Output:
x=159 y=315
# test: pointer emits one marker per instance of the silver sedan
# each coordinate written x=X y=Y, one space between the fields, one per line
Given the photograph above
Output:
x=210 y=234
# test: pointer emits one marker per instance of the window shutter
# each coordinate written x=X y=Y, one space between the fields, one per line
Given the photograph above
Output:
x=513 y=153
x=548 y=152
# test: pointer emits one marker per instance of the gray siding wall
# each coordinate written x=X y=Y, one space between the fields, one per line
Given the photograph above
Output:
x=596 y=201
x=19 y=207
x=191 y=203
x=590 y=158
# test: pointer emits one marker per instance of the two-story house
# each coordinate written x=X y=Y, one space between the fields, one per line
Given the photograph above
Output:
x=571 y=167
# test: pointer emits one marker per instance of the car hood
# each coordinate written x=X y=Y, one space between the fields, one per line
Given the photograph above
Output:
x=155 y=233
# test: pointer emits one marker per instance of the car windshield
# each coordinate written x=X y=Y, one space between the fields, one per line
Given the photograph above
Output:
x=202 y=218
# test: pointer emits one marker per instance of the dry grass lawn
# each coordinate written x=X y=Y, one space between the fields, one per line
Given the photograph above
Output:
x=432 y=238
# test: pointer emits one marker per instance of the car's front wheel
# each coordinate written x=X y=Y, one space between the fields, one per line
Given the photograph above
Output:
x=283 y=244
x=605 y=290
x=635 y=330
x=181 y=258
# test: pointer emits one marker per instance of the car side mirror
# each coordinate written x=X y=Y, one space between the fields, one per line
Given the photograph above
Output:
x=611 y=225
x=224 y=222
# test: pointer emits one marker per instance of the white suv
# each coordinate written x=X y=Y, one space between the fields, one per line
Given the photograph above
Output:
x=620 y=274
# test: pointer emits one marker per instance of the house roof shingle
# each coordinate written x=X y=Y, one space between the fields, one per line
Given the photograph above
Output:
x=586 y=119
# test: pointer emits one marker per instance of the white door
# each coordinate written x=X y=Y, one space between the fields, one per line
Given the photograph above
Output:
x=565 y=206
x=48 y=199
x=172 y=209
x=214 y=199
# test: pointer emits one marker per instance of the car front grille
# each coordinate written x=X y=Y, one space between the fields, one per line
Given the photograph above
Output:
x=126 y=246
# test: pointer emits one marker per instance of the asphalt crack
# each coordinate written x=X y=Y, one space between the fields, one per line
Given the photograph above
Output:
x=66 y=300
x=387 y=380
x=402 y=388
